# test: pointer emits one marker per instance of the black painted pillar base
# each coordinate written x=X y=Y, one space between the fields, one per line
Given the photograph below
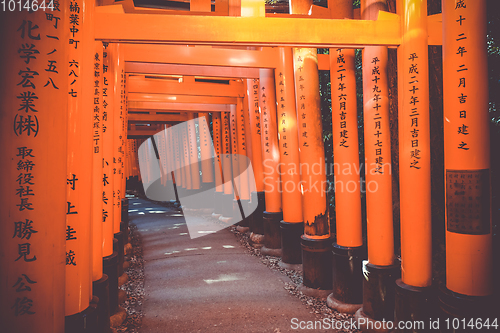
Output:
x=347 y=274
x=218 y=203
x=256 y=222
x=379 y=286
x=236 y=214
x=100 y=289
x=227 y=205
x=118 y=246
x=124 y=231
x=272 y=234
x=317 y=263
x=291 y=249
x=414 y=304
x=110 y=268
x=124 y=205
x=454 y=305
x=85 y=321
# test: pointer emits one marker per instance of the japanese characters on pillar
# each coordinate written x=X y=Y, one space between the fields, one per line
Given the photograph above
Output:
x=206 y=150
x=97 y=158
x=124 y=129
x=107 y=148
x=33 y=143
x=233 y=125
x=414 y=147
x=288 y=138
x=193 y=152
x=117 y=123
x=255 y=132
x=217 y=139
x=226 y=154
x=186 y=158
x=348 y=184
x=311 y=147
x=377 y=138
x=242 y=149
x=78 y=240
x=270 y=149
x=467 y=159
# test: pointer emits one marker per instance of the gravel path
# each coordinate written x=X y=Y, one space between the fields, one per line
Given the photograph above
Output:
x=135 y=286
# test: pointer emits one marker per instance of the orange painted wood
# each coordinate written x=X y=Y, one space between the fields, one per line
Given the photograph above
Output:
x=466 y=148
x=377 y=146
x=288 y=138
x=414 y=146
x=270 y=148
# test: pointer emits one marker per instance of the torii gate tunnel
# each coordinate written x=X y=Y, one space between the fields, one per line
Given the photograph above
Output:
x=86 y=85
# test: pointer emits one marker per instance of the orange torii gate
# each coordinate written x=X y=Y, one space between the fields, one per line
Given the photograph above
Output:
x=430 y=37
x=468 y=238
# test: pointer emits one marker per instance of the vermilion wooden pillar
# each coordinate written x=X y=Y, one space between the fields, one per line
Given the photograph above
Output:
x=110 y=260
x=227 y=198
x=178 y=154
x=348 y=250
x=79 y=174
x=316 y=245
x=244 y=183
x=469 y=277
x=378 y=289
x=271 y=159
x=100 y=285
x=235 y=166
x=118 y=71
x=107 y=147
x=413 y=295
x=33 y=146
x=292 y=225
x=206 y=151
x=217 y=140
x=256 y=223
x=206 y=158
x=97 y=148
x=193 y=153
x=186 y=158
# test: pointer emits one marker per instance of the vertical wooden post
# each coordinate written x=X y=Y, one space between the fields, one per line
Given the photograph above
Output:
x=100 y=285
x=79 y=157
x=33 y=146
x=206 y=152
x=186 y=158
x=348 y=251
x=110 y=260
x=256 y=223
x=217 y=139
x=316 y=246
x=413 y=292
x=292 y=225
x=467 y=160
x=117 y=121
x=378 y=289
x=193 y=152
x=272 y=183
x=107 y=148
x=227 y=205
x=235 y=180
x=244 y=188
x=97 y=148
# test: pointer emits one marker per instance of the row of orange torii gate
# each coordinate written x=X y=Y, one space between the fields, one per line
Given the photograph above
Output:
x=78 y=79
